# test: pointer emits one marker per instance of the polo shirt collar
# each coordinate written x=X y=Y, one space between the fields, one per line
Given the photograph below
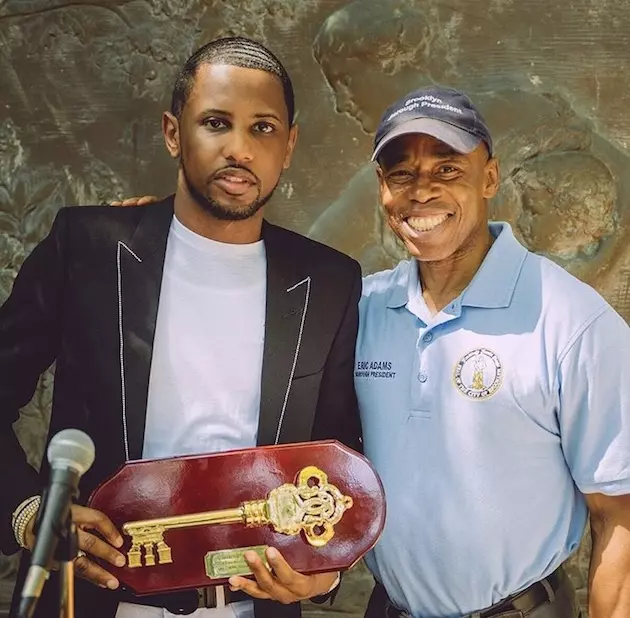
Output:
x=494 y=283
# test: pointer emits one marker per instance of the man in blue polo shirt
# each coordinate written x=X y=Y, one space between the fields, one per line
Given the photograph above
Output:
x=494 y=394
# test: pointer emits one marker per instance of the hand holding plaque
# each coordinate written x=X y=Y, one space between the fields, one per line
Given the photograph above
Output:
x=281 y=583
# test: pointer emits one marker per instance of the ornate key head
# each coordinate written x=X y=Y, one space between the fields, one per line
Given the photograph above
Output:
x=313 y=505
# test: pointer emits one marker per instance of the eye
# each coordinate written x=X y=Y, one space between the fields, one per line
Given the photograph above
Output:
x=214 y=123
x=447 y=169
x=264 y=127
x=400 y=176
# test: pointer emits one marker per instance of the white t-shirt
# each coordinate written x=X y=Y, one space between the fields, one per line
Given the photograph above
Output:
x=204 y=387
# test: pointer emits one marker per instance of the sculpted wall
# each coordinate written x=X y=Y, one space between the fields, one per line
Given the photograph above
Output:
x=83 y=84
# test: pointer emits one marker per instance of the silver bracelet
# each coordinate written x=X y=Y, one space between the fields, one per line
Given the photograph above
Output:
x=22 y=517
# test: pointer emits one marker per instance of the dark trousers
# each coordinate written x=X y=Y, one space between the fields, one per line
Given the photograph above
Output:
x=553 y=597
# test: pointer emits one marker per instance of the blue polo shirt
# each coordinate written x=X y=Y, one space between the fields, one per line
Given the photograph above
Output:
x=487 y=422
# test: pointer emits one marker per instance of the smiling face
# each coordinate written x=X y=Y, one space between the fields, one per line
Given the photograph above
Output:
x=233 y=139
x=434 y=198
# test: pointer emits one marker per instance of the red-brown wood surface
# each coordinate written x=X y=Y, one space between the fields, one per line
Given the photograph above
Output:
x=183 y=485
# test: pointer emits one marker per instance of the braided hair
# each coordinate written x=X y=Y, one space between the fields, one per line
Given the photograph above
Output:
x=236 y=52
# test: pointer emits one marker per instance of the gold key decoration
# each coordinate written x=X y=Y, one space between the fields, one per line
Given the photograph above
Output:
x=312 y=506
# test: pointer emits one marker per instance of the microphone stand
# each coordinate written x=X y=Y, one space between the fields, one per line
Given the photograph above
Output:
x=66 y=554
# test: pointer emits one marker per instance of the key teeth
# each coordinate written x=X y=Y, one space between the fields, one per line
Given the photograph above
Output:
x=135 y=554
x=134 y=557
x=149 y=555
x=164 y=553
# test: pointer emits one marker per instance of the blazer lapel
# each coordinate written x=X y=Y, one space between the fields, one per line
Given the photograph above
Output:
x=288 y=294
x=139 y=265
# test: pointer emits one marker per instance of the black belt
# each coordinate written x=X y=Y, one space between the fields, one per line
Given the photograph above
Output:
x=519 y=605
x=529 y=599
x=187 y=602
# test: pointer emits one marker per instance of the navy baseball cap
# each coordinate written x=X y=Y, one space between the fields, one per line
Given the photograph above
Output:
x=444 y=113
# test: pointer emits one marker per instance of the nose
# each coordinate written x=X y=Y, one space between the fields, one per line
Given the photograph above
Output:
x=424 y=189
x=238 y=146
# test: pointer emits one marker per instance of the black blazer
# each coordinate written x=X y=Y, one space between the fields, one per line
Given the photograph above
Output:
x=87 y=298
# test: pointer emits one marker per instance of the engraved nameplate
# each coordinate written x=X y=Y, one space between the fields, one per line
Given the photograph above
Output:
x=227 y=562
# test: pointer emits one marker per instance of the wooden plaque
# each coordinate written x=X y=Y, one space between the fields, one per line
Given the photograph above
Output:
x=187 y=521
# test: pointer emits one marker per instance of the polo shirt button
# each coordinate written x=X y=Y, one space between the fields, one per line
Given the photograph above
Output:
x=428 y=337
x=422 y=377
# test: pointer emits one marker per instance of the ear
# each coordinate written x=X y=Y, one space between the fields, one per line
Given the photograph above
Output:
x=170 y=130
x=293 y=134
x=384 y=193
x=491 y=178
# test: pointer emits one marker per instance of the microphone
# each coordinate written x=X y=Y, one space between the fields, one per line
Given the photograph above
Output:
x=70 y=454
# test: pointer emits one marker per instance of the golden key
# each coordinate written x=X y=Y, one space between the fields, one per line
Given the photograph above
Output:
x=313 y=506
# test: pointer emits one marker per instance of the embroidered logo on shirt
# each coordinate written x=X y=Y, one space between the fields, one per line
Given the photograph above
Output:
x=478 y=374
x=374 y=369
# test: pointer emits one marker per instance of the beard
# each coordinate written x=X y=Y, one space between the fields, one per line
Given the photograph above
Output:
x=218 y=210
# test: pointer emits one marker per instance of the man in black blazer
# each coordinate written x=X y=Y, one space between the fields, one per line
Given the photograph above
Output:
x=109 y=286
